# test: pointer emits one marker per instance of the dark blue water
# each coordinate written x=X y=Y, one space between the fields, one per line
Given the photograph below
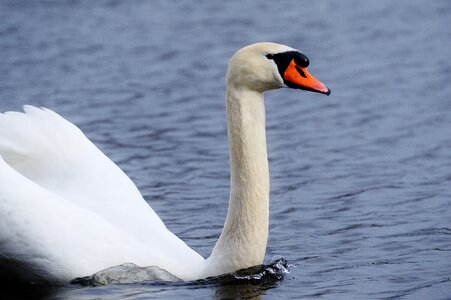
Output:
x=360 y=180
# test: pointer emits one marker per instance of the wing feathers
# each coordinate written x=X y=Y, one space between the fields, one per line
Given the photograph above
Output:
x=56 y=155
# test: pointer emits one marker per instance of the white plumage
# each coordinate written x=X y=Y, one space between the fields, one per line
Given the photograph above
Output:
x=64 y=203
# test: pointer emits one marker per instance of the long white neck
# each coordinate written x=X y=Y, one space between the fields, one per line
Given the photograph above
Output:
x=242 y=243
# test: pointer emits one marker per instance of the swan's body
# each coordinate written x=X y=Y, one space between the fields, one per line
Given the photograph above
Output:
x=67 y=211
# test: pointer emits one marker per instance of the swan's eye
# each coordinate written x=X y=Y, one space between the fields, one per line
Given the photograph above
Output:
x=283 y=59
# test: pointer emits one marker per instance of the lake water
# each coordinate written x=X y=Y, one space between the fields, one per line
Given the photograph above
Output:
x=360 y=180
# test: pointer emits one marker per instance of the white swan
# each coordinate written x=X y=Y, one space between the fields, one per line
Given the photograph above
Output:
x=67 y=211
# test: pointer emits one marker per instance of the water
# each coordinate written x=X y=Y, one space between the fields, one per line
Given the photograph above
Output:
x=360 y=180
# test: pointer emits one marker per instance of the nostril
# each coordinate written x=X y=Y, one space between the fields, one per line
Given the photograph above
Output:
x=301 y=72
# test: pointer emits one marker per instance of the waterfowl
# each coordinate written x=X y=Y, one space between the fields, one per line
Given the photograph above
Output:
x=67 y=210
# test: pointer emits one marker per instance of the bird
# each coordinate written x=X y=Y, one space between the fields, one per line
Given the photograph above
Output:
x=67 y=210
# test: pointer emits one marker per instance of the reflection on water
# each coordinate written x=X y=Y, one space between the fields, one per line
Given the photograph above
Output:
x=249 y=284
x=11 y=290
x=360 y=181
x=126 y=273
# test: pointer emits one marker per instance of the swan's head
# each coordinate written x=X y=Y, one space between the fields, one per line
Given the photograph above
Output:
x=267 y=66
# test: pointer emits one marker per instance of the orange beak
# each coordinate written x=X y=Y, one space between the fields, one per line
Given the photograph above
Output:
x=302 y=79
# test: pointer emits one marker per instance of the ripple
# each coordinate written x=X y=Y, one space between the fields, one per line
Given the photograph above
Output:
x=265 y=275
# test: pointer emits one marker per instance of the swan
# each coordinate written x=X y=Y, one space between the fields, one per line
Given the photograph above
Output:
x=66 y=210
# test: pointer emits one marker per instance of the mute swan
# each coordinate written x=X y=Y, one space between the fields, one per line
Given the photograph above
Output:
x=66 y=210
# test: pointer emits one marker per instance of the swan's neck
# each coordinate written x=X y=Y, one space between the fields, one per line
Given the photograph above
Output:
x=242 y=243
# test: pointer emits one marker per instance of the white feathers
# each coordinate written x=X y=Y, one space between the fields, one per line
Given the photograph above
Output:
x=61 y=198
